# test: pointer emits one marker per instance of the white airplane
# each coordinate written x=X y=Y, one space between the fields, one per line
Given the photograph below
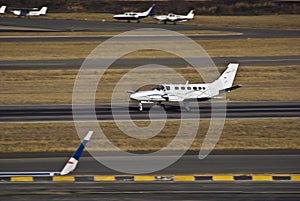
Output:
x=29 y=11
x=69 y=167
x=135 y=16
x=2 y=9
x=175 y=18
x=187 y=92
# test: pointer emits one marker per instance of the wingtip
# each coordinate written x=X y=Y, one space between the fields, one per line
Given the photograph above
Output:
x=233 y=65
x=88 y=135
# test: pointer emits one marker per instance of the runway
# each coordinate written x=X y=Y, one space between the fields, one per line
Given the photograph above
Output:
x=151 y=191
x=219 y=162
x=57 y=113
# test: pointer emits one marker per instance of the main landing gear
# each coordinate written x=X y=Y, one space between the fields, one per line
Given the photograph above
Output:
x=186 y=106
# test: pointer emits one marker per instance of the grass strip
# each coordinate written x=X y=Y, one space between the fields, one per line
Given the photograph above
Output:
x=250 y=134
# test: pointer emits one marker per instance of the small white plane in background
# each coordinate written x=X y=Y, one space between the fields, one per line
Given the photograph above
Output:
x=135 y=15
x=2 y=9
x=187 y=92
x=175 y=18
x=69 y=167
x=29 y=11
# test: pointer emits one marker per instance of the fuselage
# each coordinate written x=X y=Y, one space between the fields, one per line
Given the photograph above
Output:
x=135 y=15
x=174 y=92
x=129 y=16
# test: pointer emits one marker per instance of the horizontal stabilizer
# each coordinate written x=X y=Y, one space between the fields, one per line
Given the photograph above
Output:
x=130 y=91
x=230 y=88
x=31 y=174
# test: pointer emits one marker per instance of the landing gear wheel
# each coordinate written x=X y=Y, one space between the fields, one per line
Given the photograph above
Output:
x=140 y=106
x=161 y=105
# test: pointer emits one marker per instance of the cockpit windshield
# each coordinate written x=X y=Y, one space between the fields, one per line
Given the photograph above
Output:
x=159 y=87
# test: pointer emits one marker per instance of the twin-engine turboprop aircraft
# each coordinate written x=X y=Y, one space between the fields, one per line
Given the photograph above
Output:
x=175 y=18
x=69 y=167
x=188 y=92
x=135 y=15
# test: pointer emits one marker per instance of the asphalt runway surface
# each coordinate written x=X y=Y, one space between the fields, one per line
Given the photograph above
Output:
x=151 y=191
x=132 y=63
x=106 y=112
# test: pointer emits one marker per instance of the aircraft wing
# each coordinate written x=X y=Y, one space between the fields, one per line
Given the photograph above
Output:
x=73 y=161
x=69 y=167
x=161 y=18
x=23 y=9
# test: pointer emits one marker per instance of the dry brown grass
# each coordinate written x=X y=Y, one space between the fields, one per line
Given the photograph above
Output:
x=252 y=47
x=55 y=86
x=237 y=135
x=46 y=50
x=261 y=21
x=215 y=48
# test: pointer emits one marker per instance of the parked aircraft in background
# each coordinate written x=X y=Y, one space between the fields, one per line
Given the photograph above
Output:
x=187 y=92
x=29 y=11
x=69 y=167
x=2 y=9
x=175 y=18
x=135 y=15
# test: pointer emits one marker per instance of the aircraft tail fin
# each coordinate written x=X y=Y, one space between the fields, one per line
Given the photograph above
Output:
x=73 y=161
x=150 y=11
x=43 y=10
x=228 y=75
x=2 y=9
x=191 y=14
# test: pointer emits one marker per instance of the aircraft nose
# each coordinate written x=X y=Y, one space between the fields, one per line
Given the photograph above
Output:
x=133 y=96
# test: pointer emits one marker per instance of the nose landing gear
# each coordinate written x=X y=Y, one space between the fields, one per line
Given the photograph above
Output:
x=140 y=106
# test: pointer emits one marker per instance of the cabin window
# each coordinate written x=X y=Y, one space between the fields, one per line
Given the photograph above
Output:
x=195 y=88
x=189 y=88
x=199 y=88
x=182 y=88
x=176 y=88
x=168 y=88
x=203 y=88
